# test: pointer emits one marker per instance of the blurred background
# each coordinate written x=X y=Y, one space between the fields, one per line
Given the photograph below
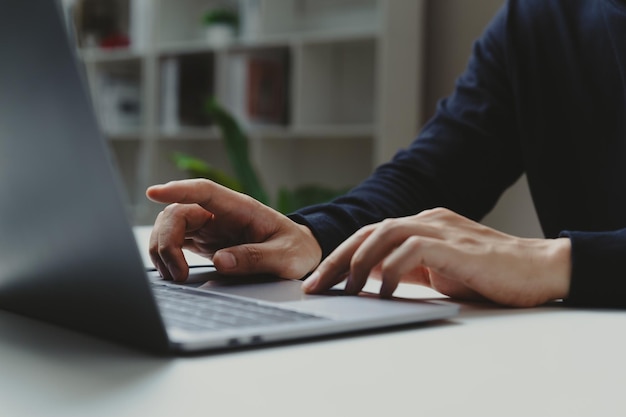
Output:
x=291 y=101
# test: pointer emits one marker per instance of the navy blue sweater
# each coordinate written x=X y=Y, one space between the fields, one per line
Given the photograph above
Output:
x=543 y=94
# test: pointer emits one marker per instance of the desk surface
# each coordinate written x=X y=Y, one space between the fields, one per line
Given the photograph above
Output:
x=488 y=361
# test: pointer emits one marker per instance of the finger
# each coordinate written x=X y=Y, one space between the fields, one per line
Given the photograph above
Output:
x=207 y=194
x=336 y=266
x=385 y=238
x=169 y=238
x=403 y=261
x=153 y=249
x=270 y=257
x=160 y=267
x=431 y=262
x=153 y=242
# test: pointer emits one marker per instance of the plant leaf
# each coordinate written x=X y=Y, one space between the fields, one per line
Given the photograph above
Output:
x=237 y=149
x=307 y=195
x=198 y=168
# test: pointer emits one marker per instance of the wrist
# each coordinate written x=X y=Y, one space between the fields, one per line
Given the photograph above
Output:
x=559 y=267
x=305 y=249
x=311 y=247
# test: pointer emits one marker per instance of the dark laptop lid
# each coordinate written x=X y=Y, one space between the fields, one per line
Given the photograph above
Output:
x=67 y=253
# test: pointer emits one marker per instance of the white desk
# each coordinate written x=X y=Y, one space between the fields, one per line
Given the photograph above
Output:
x=487 y=362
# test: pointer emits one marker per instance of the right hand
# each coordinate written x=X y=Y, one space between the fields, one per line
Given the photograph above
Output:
x=240 y=235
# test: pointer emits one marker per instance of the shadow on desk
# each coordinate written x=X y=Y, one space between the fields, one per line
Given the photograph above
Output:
x=67 y=365
x=488 y=309
x=115 y=362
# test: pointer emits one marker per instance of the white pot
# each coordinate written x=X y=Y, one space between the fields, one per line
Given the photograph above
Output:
x=219 y=34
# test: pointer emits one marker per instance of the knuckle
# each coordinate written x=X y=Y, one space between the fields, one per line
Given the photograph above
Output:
x=173 y=209
x=363 y=232
x=441 y=211
x=436 y=212
x=330 y=265
x=414 y=242
x=356 y=262
x=198 y=181
x=438 y=216
x=153 y=248
x=390 y=222
x=253 y=255
x=388 y=268
x=165 y=251
x=389 y=226
x=358 y=265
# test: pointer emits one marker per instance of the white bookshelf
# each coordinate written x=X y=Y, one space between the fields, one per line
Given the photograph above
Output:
x=353 y=87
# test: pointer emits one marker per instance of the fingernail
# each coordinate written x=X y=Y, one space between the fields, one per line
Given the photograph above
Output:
x=226 y=260
x=310 y=283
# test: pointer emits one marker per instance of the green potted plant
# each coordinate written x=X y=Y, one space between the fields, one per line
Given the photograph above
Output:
x=245 y=177
x=220 y=26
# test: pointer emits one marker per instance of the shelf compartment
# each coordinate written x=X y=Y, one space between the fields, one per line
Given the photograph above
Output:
x=337 y=84
x=267 y=22
x=295 y=17
x=181 y=20
x=117 y=91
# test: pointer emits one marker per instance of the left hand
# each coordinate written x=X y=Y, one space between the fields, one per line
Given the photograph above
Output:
x=453 y=255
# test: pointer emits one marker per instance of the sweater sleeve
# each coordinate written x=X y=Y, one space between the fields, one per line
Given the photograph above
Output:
x=598 y=278
x=463 y=159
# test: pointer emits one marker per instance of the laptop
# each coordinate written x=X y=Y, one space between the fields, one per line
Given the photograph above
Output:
x=68 y=255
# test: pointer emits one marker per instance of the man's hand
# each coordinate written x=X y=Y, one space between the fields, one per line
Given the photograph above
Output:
x=241 y=235
x=453 y=255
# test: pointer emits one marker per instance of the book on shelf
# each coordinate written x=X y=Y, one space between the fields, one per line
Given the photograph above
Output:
x=267 y=90
x=186 y=85
x=256 y=87
x=195 y=88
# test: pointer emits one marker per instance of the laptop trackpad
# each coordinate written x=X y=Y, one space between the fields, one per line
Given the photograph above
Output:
x=259 y=287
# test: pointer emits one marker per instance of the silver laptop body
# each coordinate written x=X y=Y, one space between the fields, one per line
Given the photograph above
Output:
x=67 y=250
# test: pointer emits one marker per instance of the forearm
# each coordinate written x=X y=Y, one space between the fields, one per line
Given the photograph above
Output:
x=464 y=158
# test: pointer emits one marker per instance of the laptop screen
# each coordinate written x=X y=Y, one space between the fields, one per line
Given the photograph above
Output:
x=67 y=250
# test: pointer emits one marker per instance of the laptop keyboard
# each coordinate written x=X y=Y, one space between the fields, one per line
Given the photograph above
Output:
x=194 y=311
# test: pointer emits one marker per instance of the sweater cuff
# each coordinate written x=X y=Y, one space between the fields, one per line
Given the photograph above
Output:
x=598 y=278
x=327 y=235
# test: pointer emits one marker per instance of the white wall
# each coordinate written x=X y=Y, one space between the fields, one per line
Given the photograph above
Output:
x=452 y=27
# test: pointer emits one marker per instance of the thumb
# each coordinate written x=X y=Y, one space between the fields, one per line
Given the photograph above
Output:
x=243 y=259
